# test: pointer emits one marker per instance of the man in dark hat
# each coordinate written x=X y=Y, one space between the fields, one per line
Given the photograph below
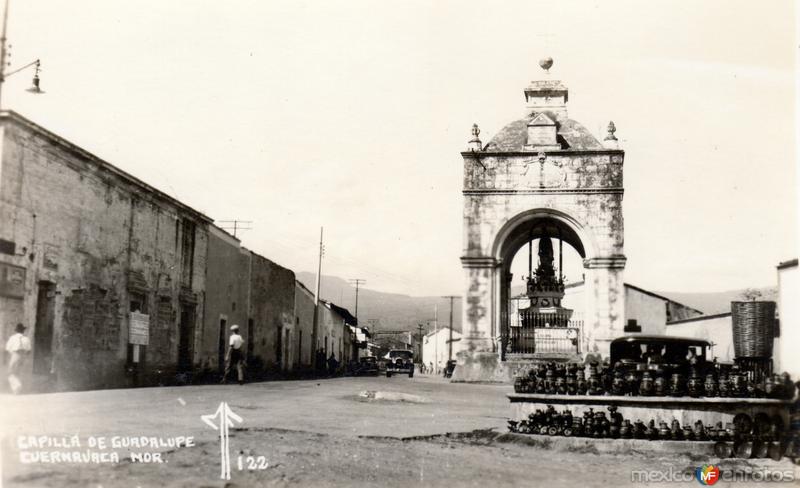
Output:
x=235 y=356
x=19 y=347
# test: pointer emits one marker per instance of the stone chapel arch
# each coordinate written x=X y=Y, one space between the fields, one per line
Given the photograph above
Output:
x=544 y=175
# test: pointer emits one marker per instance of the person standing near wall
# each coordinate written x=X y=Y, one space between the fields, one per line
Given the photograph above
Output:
x=19 y=347
x=234 y=357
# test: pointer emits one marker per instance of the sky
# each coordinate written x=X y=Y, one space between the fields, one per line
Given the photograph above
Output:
x=352 y=115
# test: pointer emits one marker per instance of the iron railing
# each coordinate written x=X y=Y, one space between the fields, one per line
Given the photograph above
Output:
x=528 y=332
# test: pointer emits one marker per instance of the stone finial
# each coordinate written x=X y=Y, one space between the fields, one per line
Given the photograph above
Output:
x=546 y=63
x=475 y=142
x=611 y=130
x=611 y=140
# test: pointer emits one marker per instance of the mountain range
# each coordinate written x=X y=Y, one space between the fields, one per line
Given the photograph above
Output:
x=393 y=311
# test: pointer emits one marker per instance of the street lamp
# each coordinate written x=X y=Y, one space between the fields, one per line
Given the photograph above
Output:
x=35 y=88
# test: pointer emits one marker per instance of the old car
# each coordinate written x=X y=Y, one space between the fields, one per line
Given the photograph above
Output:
x=367 y=366
x=399 y=361
x=449 y=368
x=660 y=353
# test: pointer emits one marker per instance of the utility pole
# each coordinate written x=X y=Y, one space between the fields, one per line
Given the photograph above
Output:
x=436 y=337
x=450 y=341
x=235 y=225
x=357 y=282
x=420 y=336
x=314 y=329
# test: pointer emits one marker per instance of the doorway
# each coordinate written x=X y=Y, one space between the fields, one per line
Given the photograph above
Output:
x=223 y=323
x=43 y=333
x=186 y=331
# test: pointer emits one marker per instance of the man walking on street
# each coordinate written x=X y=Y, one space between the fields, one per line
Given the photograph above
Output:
x=234 y=358
x=18 y=346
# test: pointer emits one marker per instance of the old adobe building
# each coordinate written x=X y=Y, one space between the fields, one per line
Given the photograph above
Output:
x=85 y=249
x=542 y=175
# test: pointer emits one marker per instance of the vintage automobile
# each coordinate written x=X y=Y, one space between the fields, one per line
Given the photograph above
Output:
x=660 y=353
x=449 y=368
x=399 y=361
x=367 y=366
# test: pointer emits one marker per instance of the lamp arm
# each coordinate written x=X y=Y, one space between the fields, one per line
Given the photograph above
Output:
x=32 y=63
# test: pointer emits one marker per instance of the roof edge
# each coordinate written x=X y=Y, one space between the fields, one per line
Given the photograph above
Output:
x=11 y=116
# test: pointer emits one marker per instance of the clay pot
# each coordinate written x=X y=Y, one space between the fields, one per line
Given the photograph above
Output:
x=695 y=386
x=738 y=387
x=549 y=382
x=677 y=385
x=775 y=451
x=760 y=449
x=581 y=383
x=675 y=432
x=710 y=386
x=521 y=384
x=639 y=430
x=632 y=383
x=688 y=433
x=664 y=431
x=512 y=425
x=626 y=429
x=660 y=386
x=647 y=385
x=771 y=387
x=724 y=387
x=561 y=385
x=700 y=431
x=618 y=384
x=572 y=385
x=723 y=450
x=743 y=449
x=601 y=425
x=577 y=426
x=651 y=432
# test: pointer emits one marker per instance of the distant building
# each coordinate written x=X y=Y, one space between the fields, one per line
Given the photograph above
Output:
x=248 y=290
x=645 y=312
x=435 y=347
x=304 y=325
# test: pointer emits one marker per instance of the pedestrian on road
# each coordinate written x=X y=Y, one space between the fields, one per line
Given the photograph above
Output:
x=19 y=347
x=234 y=357
x=333 y=365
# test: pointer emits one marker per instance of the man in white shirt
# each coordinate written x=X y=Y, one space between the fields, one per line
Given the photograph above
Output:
x=235 y=356
x=18 y=346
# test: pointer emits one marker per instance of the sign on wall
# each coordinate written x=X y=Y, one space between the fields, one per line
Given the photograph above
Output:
x=12 y=281
x=139 y=329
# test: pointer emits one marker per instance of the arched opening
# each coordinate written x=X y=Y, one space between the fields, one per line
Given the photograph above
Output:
x=541 y=256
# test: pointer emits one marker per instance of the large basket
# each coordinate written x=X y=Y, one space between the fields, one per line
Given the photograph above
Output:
x=753 y=328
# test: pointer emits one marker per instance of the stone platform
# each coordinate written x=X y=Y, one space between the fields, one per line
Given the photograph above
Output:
x=610 y=446
x=686 y=410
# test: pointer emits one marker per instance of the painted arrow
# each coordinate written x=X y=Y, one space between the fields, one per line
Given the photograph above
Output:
x=225 y=418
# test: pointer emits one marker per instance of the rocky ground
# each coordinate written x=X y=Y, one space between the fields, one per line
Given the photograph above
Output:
x=340 y=432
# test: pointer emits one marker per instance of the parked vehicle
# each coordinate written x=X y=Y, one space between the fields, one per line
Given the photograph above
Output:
x=449 y=368
x=367 y=366
x=665 y=353
x=399 y=361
